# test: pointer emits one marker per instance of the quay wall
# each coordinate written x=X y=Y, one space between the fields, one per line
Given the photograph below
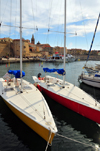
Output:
x=17 y=60
x=91 y=57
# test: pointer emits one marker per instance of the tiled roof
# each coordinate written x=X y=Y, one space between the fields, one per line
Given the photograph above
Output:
x=30 y=43
x=19 y=40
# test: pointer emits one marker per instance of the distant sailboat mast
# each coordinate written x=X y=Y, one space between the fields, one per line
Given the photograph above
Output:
x=93 y=38
x=21 y=42
x=64 y=39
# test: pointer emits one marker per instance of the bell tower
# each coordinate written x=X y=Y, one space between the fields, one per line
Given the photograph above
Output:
x=32 y=39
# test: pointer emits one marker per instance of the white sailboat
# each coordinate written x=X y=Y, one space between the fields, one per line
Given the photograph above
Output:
x=92 y=76
x=91 y=79
x=68 y=94
x=26 y=101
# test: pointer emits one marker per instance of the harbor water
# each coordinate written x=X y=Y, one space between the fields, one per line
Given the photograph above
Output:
x=75 y=132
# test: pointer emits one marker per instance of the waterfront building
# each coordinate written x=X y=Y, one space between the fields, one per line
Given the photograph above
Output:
x=16 y=48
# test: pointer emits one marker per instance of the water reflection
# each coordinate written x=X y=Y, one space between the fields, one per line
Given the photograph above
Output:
x=70 y=122
x=94 y=92
x=15 y=134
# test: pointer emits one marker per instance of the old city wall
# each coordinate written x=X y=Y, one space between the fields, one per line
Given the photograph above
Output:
x=91 y=57
x=35 y=54
x=4 y=49
x=16 y=48
x=26 y=51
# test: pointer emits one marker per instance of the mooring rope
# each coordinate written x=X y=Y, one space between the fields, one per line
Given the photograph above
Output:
x=95 y=147
x=48 y=140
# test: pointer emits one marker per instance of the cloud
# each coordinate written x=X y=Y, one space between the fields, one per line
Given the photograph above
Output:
x=81 y=16
x=85 y=28
x=48 y=12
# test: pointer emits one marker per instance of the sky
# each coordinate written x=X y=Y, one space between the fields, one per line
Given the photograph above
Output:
x=45 y=20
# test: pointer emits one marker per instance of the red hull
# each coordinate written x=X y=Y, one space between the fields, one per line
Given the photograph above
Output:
x=86 y=111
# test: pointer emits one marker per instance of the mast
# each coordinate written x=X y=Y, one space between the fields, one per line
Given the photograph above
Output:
x=21 y=42
x=64 y=39
x=93 y=38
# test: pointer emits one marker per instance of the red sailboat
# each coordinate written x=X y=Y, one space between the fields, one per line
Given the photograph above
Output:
x=68 y=94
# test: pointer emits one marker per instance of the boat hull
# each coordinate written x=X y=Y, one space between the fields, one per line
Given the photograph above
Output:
x=81 y=109
x=91 y=82
x=39 y=129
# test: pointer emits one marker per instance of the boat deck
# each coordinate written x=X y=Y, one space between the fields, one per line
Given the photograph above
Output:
x=91 y=77
x=30 y=102
x=69 y=91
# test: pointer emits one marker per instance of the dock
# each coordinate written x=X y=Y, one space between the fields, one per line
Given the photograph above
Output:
x=17 y=60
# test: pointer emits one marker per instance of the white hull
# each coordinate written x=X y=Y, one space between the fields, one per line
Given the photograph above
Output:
x=43 y=60
x=52 y=60
x=61 y=61
x=30 y=106
x=71 y=59
x=90 y=80
x=91 y=83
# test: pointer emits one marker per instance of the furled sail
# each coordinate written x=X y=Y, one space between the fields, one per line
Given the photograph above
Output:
x=59 y=71
x=16 y=73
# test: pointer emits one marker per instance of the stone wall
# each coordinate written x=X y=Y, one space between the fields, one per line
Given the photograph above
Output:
x=4 y=49
x=35 y=54
x=16 y=48
x=91 y=57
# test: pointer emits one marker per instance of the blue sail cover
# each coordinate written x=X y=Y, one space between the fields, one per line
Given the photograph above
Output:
x=16 y=73
x=59 y=71
x=97 y=75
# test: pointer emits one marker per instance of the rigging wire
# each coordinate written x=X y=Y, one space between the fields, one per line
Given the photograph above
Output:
x=47 y=39
x=35 y=109
x=15 y=29
x=10 y=17
x=33 y=13
x=36 y=36
x=83 y=23
x=15 y=20
x=6 y=5
x=9 y=35
x=35 y=26
x=10 y=24
x=58 y=28
x=62 y=32
x=50 y=15
x=19 y=27
x=0 y=18
x=73 y=74
x=75 y=57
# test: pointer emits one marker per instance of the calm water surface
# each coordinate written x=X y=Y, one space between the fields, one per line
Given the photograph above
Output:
x=16 y=136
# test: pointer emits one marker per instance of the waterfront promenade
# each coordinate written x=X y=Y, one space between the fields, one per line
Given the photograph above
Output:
x=91 y=57
x=17 y=60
